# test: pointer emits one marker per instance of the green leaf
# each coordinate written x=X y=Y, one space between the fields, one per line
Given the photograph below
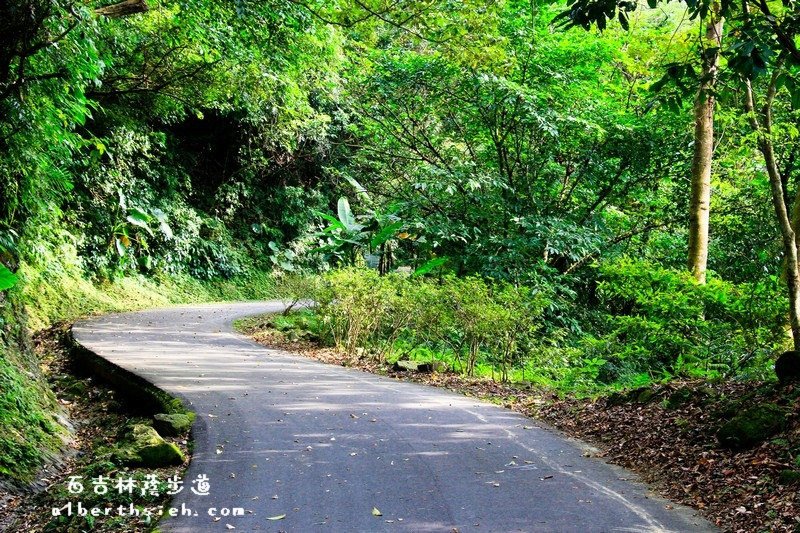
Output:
x=358 y=187
x=334 y=222
x=376 y=512
x=140 y=218
x=7 y=278
x=430 y=265
x=385 y=234
x=346 y=216
x=279 y=517
x=162 y=223
x=146 y=262
x=120 y=247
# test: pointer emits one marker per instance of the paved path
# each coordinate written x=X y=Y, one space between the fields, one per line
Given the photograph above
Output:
x=277 y=434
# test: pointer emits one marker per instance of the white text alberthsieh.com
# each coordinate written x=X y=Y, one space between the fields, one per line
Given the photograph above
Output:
x=150 y=486
x=78 y=509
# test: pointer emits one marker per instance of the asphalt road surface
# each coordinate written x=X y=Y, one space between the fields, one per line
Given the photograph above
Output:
x=330 y=447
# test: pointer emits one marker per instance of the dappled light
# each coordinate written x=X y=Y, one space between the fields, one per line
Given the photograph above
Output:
x=318 y=436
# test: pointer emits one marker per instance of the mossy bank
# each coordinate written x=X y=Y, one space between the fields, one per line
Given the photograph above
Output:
x=33 y=428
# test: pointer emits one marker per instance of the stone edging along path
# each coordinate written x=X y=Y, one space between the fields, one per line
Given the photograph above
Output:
x=283 y=443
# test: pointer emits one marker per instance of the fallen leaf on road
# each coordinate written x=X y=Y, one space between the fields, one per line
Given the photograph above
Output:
x=376 y=512
x=279 y=517
x=230 y=526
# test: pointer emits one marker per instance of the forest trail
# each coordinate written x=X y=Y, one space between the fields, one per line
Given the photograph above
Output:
x=335 y=449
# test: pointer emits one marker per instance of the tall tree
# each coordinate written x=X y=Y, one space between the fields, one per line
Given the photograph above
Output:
x=765 y=45
x=700 y=192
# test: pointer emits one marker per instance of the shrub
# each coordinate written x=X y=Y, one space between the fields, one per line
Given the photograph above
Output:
x=662 y=320
x=473 y=321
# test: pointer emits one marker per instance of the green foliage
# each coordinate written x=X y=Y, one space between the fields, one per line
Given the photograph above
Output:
x=347 y=242
x=29 y=430
x=497 y=167
x=660 y=320
x=474 y=322
x=7 y=278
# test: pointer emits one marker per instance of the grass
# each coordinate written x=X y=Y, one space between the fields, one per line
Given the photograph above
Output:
x=52 y=290
x=54 y=296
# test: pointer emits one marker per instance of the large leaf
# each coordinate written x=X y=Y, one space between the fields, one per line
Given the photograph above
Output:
x=334 y=222
x=430 y=265
x=346 y=216
x=162 y=223
x=7 y=278
x=140 y=219
x=385 y=234
x=358 y=187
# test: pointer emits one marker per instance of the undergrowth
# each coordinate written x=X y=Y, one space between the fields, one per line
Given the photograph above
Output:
x=54 y=289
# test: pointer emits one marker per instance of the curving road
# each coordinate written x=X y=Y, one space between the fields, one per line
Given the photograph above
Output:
x=328 y=447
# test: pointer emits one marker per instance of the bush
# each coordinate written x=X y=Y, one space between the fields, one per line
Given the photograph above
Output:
x=466 y=319
x=661 y=320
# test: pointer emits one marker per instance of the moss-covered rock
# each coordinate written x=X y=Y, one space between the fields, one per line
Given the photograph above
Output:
x=645 y=396
x=76 y=388
x=172 y=425
x=615 y=399
x=789 y=477
x=679 y=397
x=752 y=426
x=143 y=446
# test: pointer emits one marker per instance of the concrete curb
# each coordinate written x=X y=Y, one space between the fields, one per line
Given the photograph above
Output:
x=139 y=392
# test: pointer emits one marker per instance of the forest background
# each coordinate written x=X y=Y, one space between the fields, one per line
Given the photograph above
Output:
x=536 y=186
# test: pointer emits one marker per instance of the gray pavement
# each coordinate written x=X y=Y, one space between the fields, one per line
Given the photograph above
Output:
x=277 y=434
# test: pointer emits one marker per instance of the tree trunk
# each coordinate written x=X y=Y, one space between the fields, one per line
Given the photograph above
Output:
x=767 y=149
x=123 y=9
x=700 y=192
x=788 y=235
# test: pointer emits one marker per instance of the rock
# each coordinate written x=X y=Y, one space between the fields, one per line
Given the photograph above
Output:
x=679 y=398
x=752 y=426
x=76 y=388
x=633 y=394
x=789 y=477
x=787 y=366
x=615 y=399
x=420 y=366
x=645 y=396
x=173 y=425
x=143 y=446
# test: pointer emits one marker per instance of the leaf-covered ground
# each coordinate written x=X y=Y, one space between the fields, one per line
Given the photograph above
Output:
x=97 y=415
x=671 y=443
